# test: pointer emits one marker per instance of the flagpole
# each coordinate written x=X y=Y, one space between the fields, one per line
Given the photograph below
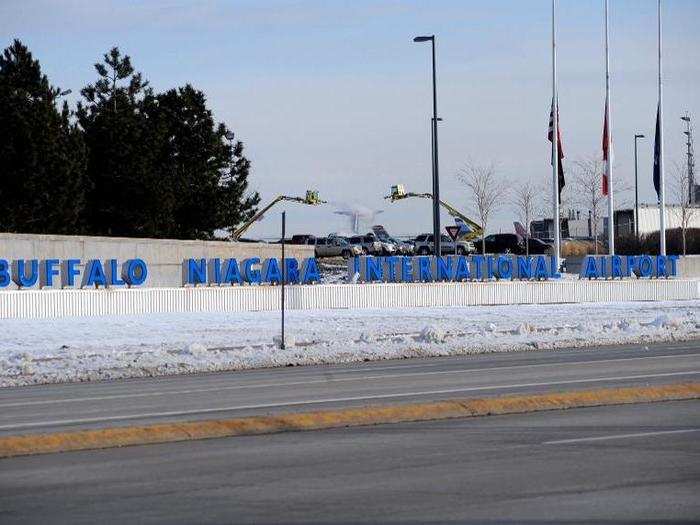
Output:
x=555 y=141
x=608 y=166
x=662 y=196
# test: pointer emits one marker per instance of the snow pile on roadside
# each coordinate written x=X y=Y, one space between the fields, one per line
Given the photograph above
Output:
x=431 y=334
x=94 y=348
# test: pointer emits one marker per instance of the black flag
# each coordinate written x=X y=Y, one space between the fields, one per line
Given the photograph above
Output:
x=657 y=156
x=560 y=150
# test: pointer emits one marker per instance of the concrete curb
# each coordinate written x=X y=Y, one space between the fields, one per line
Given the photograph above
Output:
x=31 y=444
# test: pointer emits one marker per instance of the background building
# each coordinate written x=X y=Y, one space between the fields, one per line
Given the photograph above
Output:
x=577 y=225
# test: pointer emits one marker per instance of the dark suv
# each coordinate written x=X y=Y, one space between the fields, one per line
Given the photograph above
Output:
x=510 y=243
x=538 y=247
x=501 y=243
x=303 y=239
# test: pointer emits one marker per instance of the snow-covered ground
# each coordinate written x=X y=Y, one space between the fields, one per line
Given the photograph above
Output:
x=94 y=348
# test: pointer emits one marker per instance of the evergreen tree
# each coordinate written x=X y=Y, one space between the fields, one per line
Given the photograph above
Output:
x=136 y=164
x=127 y=199
x=205 y=171
x=42 y=154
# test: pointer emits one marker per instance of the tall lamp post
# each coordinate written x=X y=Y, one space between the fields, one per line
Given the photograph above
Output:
x=432 y=139
x=436 y=177
x=636 y=188
x=691 y=161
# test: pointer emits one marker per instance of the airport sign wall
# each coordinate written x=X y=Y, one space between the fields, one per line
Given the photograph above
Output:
x=250 y=271
x=504 y=267
x=622 y=266
x=96 y=273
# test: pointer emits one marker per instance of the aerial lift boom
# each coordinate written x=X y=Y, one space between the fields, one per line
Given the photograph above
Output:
x=310 y=198
x=398 y=192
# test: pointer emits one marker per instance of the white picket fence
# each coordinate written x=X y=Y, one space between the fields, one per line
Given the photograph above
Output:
x=62 y=303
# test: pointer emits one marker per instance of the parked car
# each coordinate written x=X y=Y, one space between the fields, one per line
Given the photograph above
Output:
x=368 y=243
x=401 y=247
x=388 y=246
x=305 y=238
x=501 y=243
x=424 y=245
x=336 y=247
x=538 y=247
x=512 y=243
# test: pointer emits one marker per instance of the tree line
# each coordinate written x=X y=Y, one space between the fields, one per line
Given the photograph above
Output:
x=125 y=162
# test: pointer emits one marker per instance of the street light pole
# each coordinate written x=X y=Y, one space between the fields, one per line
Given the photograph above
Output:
x=691 y=161
x=432 y=140
x=436 y=176
x=636 y=188
x=284 y=276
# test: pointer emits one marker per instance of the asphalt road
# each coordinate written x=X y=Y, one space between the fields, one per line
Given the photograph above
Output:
x=138 y=401
x=632 y=463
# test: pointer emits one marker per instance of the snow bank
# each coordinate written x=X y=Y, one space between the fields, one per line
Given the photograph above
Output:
x=94 y=348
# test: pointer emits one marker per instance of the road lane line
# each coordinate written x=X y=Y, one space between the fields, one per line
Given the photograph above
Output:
x=326 y=380
x=620 y=436
x=125 y=417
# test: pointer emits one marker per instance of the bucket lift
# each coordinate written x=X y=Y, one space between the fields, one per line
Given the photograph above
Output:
x=471 y=229
x=311 y=198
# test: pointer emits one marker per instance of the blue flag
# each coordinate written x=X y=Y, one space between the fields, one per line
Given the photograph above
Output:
x=657 y=156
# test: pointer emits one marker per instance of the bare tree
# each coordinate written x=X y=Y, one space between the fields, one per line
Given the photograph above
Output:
x=486 y=190
x=524 y=201
x=544 y=204
x=588 y=179
x=624 y=192
x=680 y=188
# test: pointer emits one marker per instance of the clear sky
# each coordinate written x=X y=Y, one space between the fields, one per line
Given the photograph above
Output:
x=333 y=95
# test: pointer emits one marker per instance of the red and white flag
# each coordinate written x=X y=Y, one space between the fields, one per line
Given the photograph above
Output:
x=606 y=153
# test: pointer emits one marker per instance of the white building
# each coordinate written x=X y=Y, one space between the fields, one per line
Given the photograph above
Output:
x=649 y=218
x=578 y=225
